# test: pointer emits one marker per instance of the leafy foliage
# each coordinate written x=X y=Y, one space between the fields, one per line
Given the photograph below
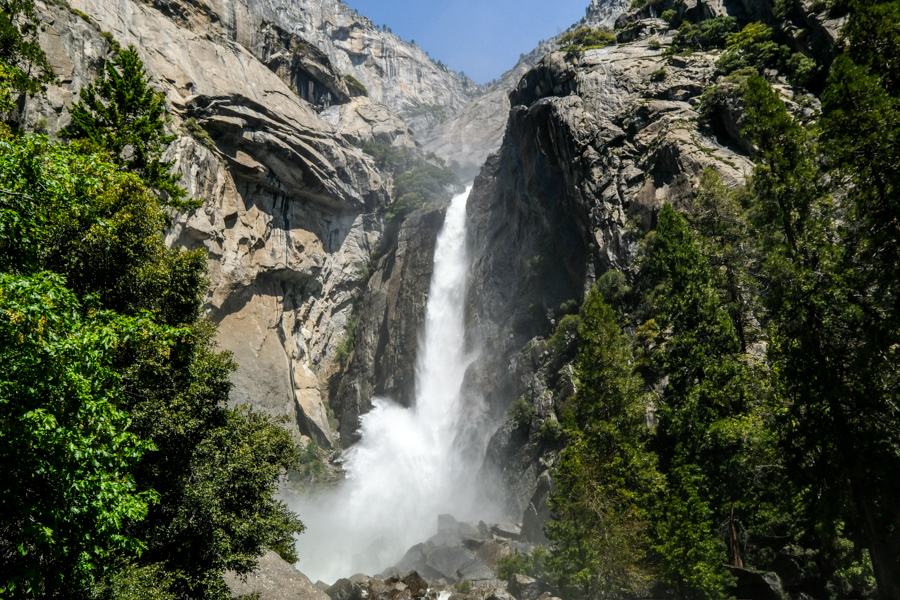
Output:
x=141 y=482
x=708 y=34
x=67 y=491
x=576 y=42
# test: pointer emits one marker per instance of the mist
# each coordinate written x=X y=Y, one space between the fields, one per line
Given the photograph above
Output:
x=411 y=464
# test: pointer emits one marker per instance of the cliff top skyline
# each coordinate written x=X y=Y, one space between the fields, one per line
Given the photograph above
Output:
x=481 y=38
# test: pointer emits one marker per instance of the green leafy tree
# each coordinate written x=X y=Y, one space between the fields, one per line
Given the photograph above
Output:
x=67 y=489
x=214 y=470
x=713 y=436
x=599 y=532
x=27 y=68
x=720 y=221
x=121 y=113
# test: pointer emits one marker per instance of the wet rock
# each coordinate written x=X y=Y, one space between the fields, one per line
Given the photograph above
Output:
x=491 y=552
x=507 y=530
x=449 y=560
x=417 y=585
x=342 y=589
x=274 y=579
x=447 y=523
x=538 y=511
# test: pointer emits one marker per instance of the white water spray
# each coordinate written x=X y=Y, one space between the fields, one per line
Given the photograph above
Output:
x=407 y=467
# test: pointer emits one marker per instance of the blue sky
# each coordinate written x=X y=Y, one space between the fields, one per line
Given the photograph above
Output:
x=483 y=38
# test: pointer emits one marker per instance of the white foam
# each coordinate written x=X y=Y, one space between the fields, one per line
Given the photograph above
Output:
x=409 y=465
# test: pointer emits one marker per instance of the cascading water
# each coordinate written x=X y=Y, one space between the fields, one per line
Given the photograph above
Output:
x=408 y=466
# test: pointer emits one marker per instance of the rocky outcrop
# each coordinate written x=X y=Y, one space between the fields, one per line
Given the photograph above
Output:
x=804 y=24
x=274 y=579
x=477 y=130
x=391 y=313
x=592 y=150
x=463 y=551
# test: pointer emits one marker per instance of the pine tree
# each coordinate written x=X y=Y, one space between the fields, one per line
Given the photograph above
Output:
x=121 y=113
x=832 y=341
x=711 y=435
x=605 y=475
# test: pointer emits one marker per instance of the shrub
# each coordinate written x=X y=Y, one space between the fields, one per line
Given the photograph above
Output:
x=709 y=34
x=523 y=564
x=464 y=586
x=654 y=44
x=521 y=412
x=658 y=75
x=565 y=335
x=575 y=42
x=551 y=431
x=354 y=84
x=752 y=47
x=668 y=16
x=195 y=130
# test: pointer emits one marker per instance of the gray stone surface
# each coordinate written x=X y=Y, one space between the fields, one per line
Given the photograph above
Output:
x=449 y=560
x=275 y=579
x=524 y=587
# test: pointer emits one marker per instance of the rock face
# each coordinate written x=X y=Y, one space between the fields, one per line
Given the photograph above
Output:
x=477 y=130
x=315 y=43
x=592 y=150
x=462 y=551
x=391 y=314
x=275 y=579
x=291 y=217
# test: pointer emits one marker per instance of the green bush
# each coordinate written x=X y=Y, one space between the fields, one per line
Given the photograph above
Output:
x=551 y=431
x=355 y=84
x=709 y=34
x=576 y=42
x=668 y=16
x=532 y=565
x=521 y=412
x=654 y=44
x=565 y=336
x=752 y=47
x=463 y=587
x=658 y=75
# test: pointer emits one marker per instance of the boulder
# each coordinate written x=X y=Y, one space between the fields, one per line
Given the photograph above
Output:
x=449 y=560
x=524 y=587
x=416 y=584
x=274 y=579
x=447 y=523
x=757 y=585
x=507 y=530
x=498 y=594
x=342 y=589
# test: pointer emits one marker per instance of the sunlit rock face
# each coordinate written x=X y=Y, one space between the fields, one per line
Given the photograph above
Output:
x=292 y=210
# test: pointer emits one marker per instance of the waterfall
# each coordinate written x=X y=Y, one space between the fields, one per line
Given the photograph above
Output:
x=407 y=467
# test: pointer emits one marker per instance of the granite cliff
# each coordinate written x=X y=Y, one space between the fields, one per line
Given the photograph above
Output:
x=595 y=144
x=271 y=130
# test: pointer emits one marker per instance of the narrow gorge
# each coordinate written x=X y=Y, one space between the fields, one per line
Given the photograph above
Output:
x=530 y=340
